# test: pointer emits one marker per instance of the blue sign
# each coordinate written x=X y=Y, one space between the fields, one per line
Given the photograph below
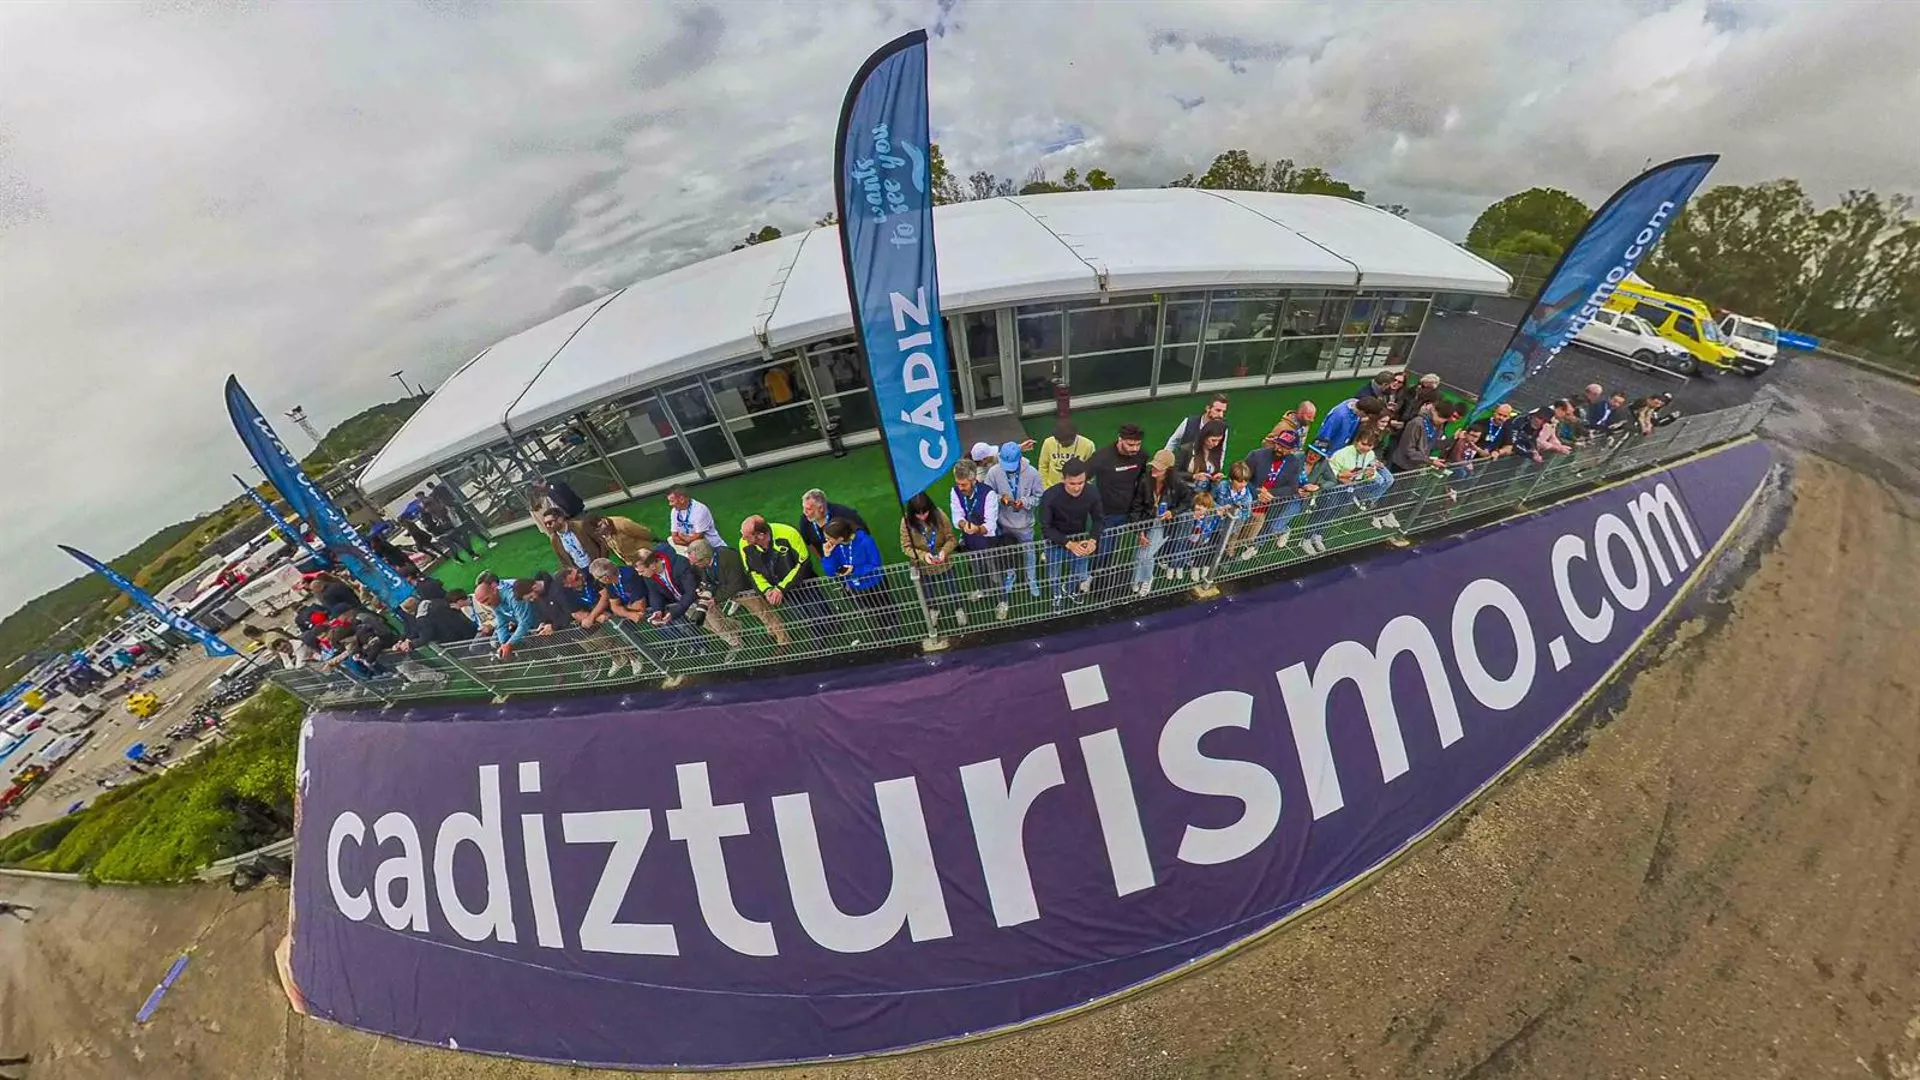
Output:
x=292 y=535
x=163 y=612
x=884 y=194
x=1616 y=238
x=344 y=543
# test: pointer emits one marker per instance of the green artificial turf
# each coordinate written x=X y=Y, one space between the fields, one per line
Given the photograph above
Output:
x=860 y=479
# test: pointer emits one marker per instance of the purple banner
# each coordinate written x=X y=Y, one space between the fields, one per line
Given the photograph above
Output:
x=920 y=851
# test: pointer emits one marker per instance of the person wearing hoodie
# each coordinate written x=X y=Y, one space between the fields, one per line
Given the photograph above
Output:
x=1019 y=488
x=1160 y=498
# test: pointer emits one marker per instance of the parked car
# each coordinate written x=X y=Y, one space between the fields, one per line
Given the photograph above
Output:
x=1757 y=341
x=1682 y=320
x=1627 y=335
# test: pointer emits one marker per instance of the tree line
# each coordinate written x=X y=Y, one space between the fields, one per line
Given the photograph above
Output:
x=1849 y=272
x=1232 y=170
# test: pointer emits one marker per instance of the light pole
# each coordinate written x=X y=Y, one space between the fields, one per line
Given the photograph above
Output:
x=403 y=382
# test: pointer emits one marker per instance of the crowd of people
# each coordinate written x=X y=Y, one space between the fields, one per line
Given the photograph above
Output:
x=1077 y=521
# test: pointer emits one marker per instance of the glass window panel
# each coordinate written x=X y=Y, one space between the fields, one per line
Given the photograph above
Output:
x=1234 y=360
x=953 y=364
x=982 y=332
x=1183 y=322
x=635 y=422
x=1111 y=328
x=1359 y=316
x=1400 y=315
x=1039 y=332
x=776 y=429
x=653 y=461
x=1176 y=366
x=1107 y=372
x=1303 y=354
x=853 y=412
x=710 y=446
x=1036 y=380
x=1240 y=319
x=837 y=367
x=690 y=406
x=1311 y=314
x=1399 y=350
x=590 y=478
x=758 y=386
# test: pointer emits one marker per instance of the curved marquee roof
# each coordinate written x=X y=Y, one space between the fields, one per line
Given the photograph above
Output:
x=994 y=252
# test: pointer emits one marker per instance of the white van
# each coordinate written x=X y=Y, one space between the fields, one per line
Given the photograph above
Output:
x=1624 y=334
x=1757 y=340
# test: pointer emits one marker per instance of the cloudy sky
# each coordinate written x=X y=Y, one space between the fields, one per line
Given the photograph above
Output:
x=313 y=195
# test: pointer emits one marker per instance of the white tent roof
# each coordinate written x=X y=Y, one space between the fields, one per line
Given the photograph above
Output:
x=1026 y=249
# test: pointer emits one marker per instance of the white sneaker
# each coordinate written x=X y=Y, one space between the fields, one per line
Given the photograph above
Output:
x=1143 y=588
x=1389 y=520
x=639 y=666
x=933 y=616
x=977 y=594
x=1375 y=522
x=493 y=544
x=1252 y=550
x=1086 y=586
x=960 y=616
x=1172 y=573
x=1315 y=544
x=1280 y=538
x=1000 y=612
x=1193 y=573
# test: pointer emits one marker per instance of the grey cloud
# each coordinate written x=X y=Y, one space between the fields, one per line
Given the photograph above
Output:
x=325 y=193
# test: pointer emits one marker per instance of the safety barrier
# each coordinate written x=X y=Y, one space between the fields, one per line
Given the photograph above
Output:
x=1009 y=586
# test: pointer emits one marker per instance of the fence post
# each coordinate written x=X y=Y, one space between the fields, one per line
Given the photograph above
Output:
x=463 y=669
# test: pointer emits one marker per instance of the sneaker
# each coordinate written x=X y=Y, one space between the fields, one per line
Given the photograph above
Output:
x=1315 y=544
x=1376 y=522
x=960 y=616
x=977 y=594
x=1193 y=574
x=1252 y=550
x=1059 y=602
x=1034 y=592
x=933 y=616
x=1280 y=538
x=1079 y=597
x=1085 y=586
x=1143 y=588
x=491 y=544
x=638 y=666
x=1172 y=573
x=1389 y=520
x=1000 y=612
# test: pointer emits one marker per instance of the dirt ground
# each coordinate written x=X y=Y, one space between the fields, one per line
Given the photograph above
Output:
x=1712 y=875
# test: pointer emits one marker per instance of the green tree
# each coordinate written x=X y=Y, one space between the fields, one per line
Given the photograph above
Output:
x=985 y=185
x=1098 y=180
x=1527 y=243
x=1747 y=247
x=1548 y=211
x=1237 y=170
x=831 y=217
x=764 y=234
x=946 y=189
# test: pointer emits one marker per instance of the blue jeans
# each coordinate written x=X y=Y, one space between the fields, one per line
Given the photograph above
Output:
x=1028 y=554
x=943 y=586
x=1143 y=553
x=1057 y=559
x=1370 y=491
x=1280 y=514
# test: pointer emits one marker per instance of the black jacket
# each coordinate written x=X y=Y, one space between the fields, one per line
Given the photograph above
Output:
x=1286 y=485
x=1116 y=476
x=439 y=623
x=1065 y=517
x=1177 y=493
x=1412 y=447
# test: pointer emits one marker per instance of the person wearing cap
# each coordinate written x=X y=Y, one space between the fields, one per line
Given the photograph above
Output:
x=1277 y=476
x=1353 y=469
x=1019 y=488
x=1070 y=520
x=815 y=512
x=1066 y=442
x=1115 y=470
x=1159 y=498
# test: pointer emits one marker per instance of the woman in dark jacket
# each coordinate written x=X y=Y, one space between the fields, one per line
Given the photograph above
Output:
x=1204 y=458
x=1161 y=496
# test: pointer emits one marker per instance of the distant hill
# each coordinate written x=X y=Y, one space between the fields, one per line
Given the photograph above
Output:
x=30 y=631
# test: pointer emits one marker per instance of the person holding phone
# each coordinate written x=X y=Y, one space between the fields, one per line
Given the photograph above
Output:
x=1354 y=469
x=1070 y=520
x=852 y=558
x=928 y=541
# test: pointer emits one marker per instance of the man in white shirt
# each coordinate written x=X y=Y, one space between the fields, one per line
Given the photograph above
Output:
x=688 y=519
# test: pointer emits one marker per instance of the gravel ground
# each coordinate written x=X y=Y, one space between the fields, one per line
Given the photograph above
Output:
x=1711 y=874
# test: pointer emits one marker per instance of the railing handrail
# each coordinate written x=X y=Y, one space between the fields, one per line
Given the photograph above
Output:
x=1012 y=585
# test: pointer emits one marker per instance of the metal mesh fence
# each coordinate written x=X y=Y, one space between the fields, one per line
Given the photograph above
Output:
x=928 y=605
